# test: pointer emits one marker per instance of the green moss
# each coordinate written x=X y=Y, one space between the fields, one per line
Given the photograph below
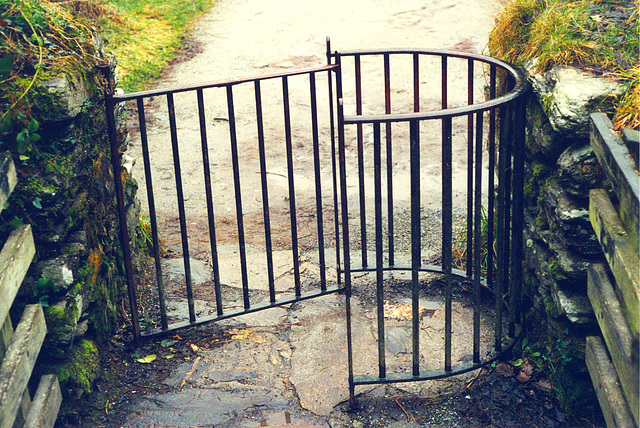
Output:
x=541 y=220
x=550 y=307
x=81 y=367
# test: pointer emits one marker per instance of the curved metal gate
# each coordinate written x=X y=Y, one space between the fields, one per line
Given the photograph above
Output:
x=373 y=130
x=490 y=127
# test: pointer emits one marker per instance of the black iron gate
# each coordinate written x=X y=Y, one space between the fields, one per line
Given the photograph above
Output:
x=479 y=106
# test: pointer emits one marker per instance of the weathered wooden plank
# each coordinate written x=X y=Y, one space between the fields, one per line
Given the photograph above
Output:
x=616 y=161
x=605 y=381
x=19 y=361
x=46 y=403
x=15 y=259
x=6 y=333
x=8 y=177
x=621 y=254
x=621 y=344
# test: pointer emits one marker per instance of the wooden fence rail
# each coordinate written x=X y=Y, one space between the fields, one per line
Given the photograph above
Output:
x=19 y=350
x=614 y=289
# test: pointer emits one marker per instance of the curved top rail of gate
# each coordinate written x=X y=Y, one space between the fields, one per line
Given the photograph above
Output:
x=518 y=84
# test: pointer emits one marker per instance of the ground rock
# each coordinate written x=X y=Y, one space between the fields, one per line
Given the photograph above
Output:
x=575 y=306
x=570 y=95
x=579 y=170
x=569 y=219
x=69 y=97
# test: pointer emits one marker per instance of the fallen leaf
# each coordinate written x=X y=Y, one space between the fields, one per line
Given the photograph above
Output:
x=168 y=357
x=252 y=336
x=168 y=342
x=194 y=347
x=147 y=359
x=504 y=369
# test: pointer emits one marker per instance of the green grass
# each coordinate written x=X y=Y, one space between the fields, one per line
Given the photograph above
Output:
x=595 y=35
x=146 y=35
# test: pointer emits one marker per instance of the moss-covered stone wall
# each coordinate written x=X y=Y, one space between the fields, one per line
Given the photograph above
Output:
x=53 y=124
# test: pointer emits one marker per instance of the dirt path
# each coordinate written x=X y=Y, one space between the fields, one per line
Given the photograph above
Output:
x=247 y=38
x=287 y=366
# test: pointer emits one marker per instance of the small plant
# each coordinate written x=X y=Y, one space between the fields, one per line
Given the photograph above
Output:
x=460 y=244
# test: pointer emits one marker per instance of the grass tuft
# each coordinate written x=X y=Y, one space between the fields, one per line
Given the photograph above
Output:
x=146 y=35
x=596 y=35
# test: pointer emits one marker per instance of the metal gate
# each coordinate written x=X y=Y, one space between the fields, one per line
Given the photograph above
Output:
x=367 y=121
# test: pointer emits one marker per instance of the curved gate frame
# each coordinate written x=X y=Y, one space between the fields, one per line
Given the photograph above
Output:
x=506 y=111
x=506 y=117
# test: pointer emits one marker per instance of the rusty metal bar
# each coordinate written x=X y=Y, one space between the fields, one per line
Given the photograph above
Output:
x=416 y=83
x=477 y=267
x=447 y=216
x=345 y=231
x=416 y=241
x=209 y=196
x=316 y=168
x=238 y=196
x=122 y=214
x=361 y=172
x=292 y=189
x=389 y=145
x=491 y=185
x=334 y=169
x=377 y=165
x=266 y=212
x=152 y=213
x=470 y=195
x=181 y=211
x=218 y=84
x=501 y=203
x=517 y=243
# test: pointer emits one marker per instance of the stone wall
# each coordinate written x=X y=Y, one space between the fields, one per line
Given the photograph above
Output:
x=66 y=192
x=561 y=168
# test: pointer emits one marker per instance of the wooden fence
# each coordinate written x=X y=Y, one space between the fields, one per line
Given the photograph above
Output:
x=613 y=288
x=19 y=349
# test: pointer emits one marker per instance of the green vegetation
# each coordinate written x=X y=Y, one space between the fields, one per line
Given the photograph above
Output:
x=596 y=35
x=144 y=35
x=560 y=359
x=459 y=250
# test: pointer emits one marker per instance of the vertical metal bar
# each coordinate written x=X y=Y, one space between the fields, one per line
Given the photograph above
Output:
x=142 y=122
x=265 y=193
x=345 y=229
x=122 y=214
x=518 y=212
x=500 y=228
x=209 y=197
x=477 y=239
x=361 y=192
x=416 y=238
x=238 y=195
x=447 y=218
x=416 y=83
x=389 y=145
x=334 y=170
x=444 y=85
x=292 y=189
x=492 y=184
x=316 y=168
x=416 y=241
x=181 y=211
x=469 y=249
x=509 y=204
x=377 y=166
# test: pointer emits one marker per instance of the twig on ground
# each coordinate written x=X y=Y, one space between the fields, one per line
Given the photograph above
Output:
x=409 y=416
